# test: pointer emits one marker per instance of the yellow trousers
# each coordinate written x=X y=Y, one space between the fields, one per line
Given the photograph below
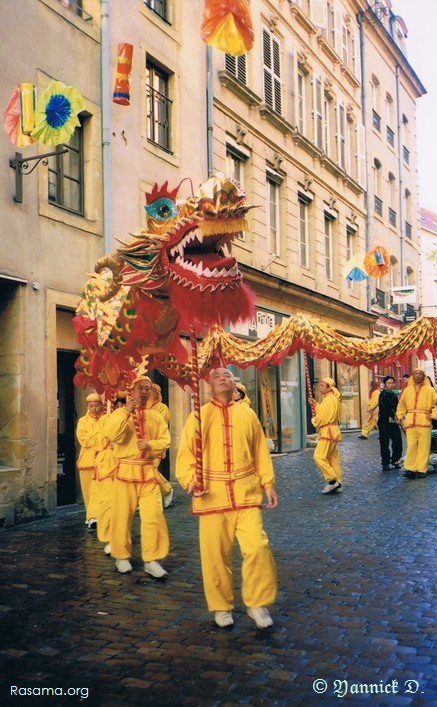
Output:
x=217 y=533
x=103 y=502
x=369 y=426
x=86 y=477
x=126 y=497
x=418 y=449
x=327 y=458
x=164 y=485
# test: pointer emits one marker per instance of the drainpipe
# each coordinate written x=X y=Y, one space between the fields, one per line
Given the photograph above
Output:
x=106 y=135
x=364 y=121
x=209 y=110
x=400 y=178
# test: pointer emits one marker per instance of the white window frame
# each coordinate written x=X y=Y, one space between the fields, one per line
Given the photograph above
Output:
x=273 y=183
x=271 y=54
x=304 y=230
x=328 y=246
x=341 y=135
x=318 y=112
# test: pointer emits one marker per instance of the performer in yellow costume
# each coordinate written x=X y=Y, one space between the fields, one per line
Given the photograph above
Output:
x=326 y=454
x=140 y=437
x=237 y=468
x=414 y=412
x=91 y=439
x=372 y=409
x=155 y=403
x=240 y=394
x=101 y=485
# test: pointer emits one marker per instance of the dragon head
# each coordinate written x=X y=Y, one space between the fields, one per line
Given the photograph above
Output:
x=184 y=253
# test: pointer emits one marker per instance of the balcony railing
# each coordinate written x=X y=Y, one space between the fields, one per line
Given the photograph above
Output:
x=380 y=298
x=378 y=205
x=395 y=308
x=392 y=217
x=408 y=229
x=406 y=155
x=390 y=136
x=376 y=121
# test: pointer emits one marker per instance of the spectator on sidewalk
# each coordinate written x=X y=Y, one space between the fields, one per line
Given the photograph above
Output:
x=372 y=410
x=414 y=412
x=326 y=454
x=140 y=437
x=389 y=430
x=237 y=468
x=155 y=403
x=92 y=440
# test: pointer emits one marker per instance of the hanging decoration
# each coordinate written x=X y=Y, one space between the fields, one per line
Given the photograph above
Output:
x=27 y=107
x=377 y=262
x=12 y=121
x=227 y=25
x=123 y=72
x=354 y=270
x=56 y=114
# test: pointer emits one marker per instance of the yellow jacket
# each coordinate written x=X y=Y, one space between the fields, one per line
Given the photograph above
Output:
x=326 y=418
x=416 y=403
x=133 y=466
x=91 y=439
x=236 y=462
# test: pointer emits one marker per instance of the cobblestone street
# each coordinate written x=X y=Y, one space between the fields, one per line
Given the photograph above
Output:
x=356 y=605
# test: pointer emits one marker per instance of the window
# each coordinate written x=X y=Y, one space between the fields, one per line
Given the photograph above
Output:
x=351 y=240
x=237 y=66
x=405 y=139
x=408 y=229
x=318 y=107
x=158 y=106
x=301 y=102
x=391 y=199
x=65 y=174
x=376 y=115
x=390 y=119
x=76 y=6
x=377 y=185
x=272 y=72
x=158 y=6
x=341 y=136
x=235 y=162
x=273 y=223
x=304 y=231
x=329 y=243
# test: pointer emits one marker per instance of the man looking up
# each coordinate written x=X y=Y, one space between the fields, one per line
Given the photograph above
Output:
x=237 y=468
x=414 y=413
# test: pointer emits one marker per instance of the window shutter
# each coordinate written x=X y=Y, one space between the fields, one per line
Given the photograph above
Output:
x=295 y=90
x=357 y=54
x=361 y=155
x=237 y=66
x=277 y=76
x=338 y=39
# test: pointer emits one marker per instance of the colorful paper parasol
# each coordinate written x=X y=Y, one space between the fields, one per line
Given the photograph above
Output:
x=226 y=24
x=12 y=120
x=354 y=269
x=377 y=262
x=56 y=114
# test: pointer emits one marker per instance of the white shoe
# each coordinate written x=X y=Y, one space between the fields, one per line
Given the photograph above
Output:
x=123 y=566
x=166 y=501
x=224 y=618
x=329 y=488
x=261 y=617
x=107 y=549
x=92 y=524
x=155 y=569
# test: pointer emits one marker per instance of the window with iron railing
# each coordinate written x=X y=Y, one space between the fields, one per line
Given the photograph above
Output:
x=159 y=7
x=378 y=205
x=406 y=155
x=408 y=229
x=392 y=217
x=376 y=121
x=158 y=107
x=390 y=136
x=380 y=298
x=395 y=308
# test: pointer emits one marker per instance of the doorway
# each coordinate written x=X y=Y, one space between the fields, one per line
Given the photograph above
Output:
x=66 y=424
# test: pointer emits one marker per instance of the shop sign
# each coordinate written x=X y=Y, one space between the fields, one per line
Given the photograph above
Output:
x=404 y=295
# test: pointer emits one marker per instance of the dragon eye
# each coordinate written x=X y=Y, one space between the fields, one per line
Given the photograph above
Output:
x=162 y=209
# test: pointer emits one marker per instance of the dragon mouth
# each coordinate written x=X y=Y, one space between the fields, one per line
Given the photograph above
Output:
x=204 y=259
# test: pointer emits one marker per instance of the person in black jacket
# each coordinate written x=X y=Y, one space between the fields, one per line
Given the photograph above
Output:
x=389 y=430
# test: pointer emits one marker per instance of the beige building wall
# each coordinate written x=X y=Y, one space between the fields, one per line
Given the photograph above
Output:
x=45 y=250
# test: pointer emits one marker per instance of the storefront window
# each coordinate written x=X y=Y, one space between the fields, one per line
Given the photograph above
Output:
x=291 y=405
x=348 y=384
